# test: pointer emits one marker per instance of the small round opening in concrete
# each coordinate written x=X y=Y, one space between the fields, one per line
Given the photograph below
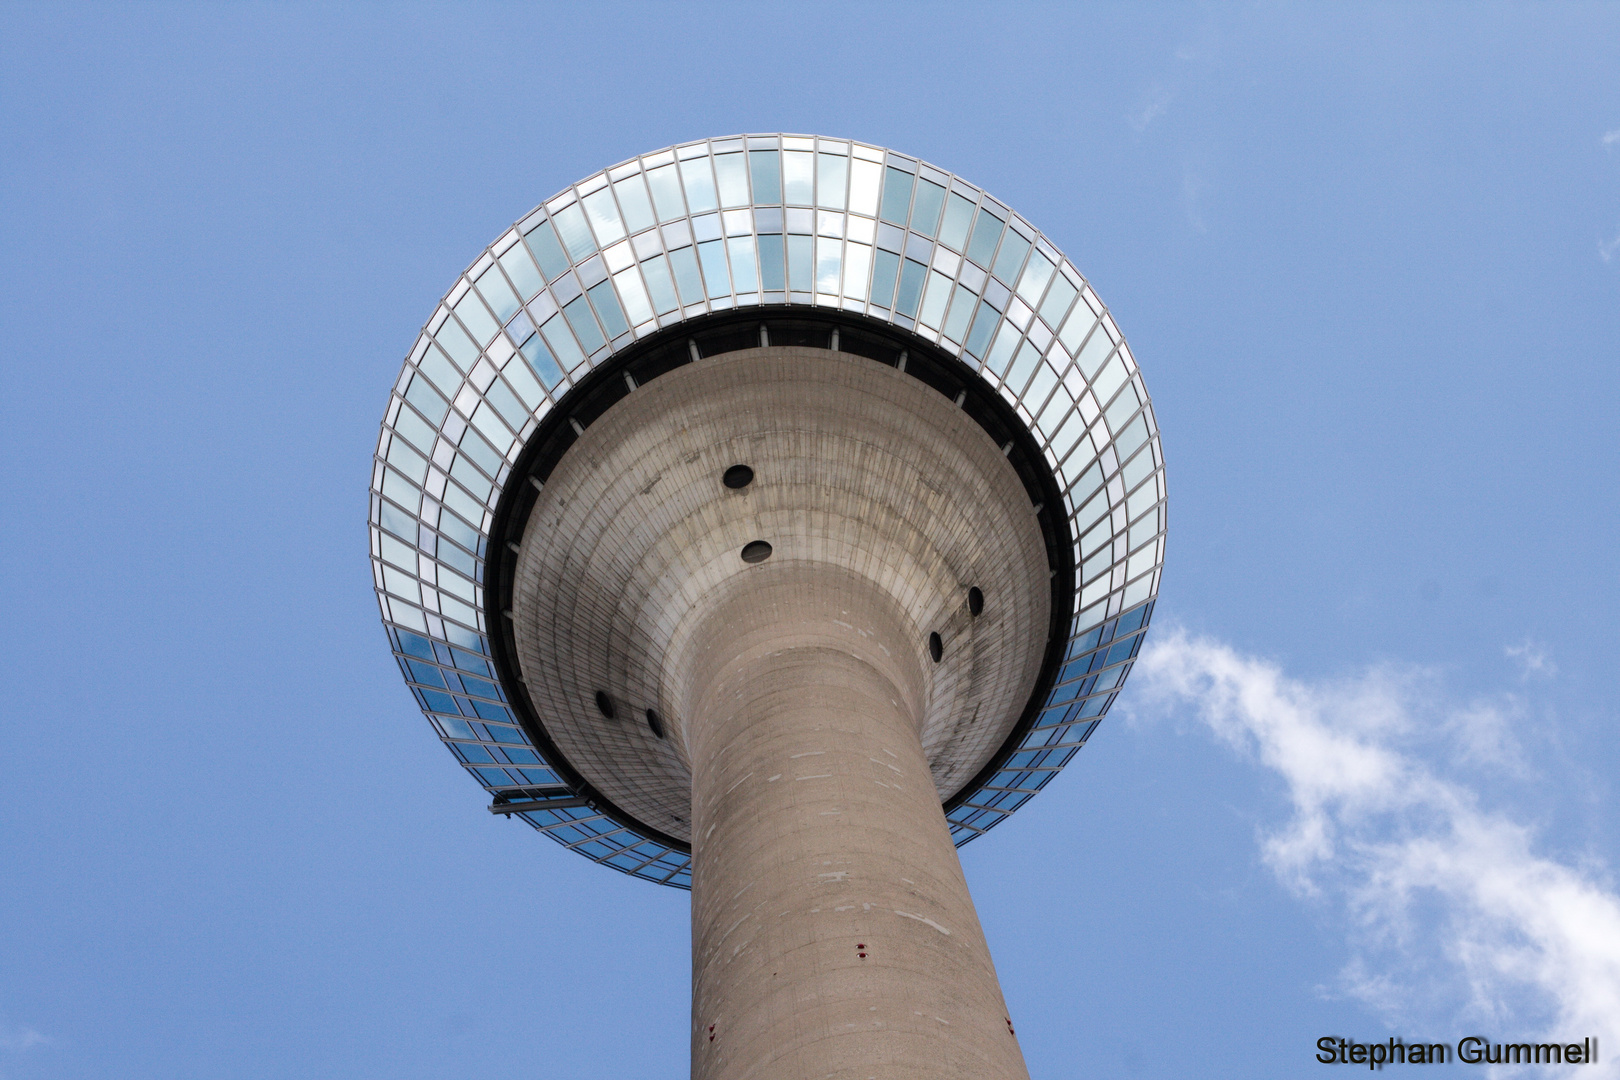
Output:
x=936 y=647
x=975 y=601
x=604 y=703
x=655 y=722
x=756 y=551
x=738 y=476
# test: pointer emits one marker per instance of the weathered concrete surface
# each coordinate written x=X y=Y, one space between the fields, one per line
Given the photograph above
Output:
x=857 y=467
x=810 y=738
x=832 y=930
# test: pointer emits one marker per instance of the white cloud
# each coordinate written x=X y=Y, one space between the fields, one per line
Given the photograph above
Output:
x=1607 y=248
x=1533 y=659
x=1611 y=137
x=1445 y=896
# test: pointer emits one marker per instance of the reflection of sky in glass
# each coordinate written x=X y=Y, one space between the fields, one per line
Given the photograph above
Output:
x=708 y=227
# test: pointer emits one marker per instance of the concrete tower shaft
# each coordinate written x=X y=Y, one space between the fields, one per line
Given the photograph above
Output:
x=806 y=733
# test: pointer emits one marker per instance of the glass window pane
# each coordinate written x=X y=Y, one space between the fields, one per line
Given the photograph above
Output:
x=1098 y=346
x=476 y=319
x=520 y=268
x=1002 y=350
x=547 y=252
x=1074 y=331
x=607 y=307
x=770 y=263
x=713 y=256
x=634 y=295
x=540 y=359
x=896 y=196
x=1033 y=282
x=933 y=307
x=585 y=328
x=827 y=260
x=528 y=391
x=925 y=214
x=498 y=294
x=666 y=192
x=1058 y=300
x=1013 y=250
x=798 y=177
x=659 y=285
x=633 y=201
x=576 y=237
x=687 y=278
x=766 y=167
x=954 y=230
x=604 y=215
x=1022 y=367
x=799 y=263
x=887 y=266
x=986 y=231
x=983 y=322
x=832 y=173
x=744 y=273
x=865 y=178
x=699 y=182
x=956 y=319
x=912 y=276
x=857 y=264
x=733 y=176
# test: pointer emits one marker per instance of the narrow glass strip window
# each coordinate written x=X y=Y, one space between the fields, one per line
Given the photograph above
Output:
x=498 y=294
x=687 y=278
x=956 y=319
x=576 y=237
x=925 y=214
x=896 y=196
x=865 y=178
x=547 y=252
x=540 y=359
x=659 y=285
x=713 y=256
x=886 y=267
x=699 y=183
x=1033 y=282
x=733 y=176
x=857 y=265
x=986 y=231
x=798 y=177
x=634 y=295
x=521 y=270
x=666 y=192
x=827 y=260
x=603 y=213
x=607 y=308
x=584 y=325
x=1013 y=250
x=953 y=231
x=832 y=173
x=933 y=307
x=638 y=211
x=799 y=263
x=766 y=168
x=770 y=262
x=984 y=321
x=744 y=272
x=912 y=276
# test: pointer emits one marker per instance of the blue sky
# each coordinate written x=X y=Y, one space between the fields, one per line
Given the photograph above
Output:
x=1364 y=785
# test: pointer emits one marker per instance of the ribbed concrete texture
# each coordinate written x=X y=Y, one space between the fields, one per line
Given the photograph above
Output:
x=808 y=734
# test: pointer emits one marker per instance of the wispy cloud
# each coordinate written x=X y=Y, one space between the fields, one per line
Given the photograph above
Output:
x=1533 y=658
x=17 y=1039
x=1154 y=103
x=1607 y=248
x=1611 y=137
x=1444 y=895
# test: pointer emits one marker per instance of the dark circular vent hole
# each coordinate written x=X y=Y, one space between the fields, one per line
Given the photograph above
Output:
x=756 y=551
x=604 y=703
x=936 y=647
x=738 y=476
x=655 y=722
x=975 y=601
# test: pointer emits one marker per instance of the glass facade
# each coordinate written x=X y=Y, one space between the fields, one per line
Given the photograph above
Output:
x=713 y=226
